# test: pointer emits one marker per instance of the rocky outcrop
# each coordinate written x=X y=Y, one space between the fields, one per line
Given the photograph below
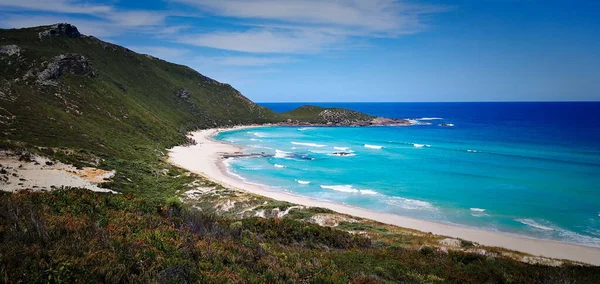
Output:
x=341 y=116
x=379 y=121
x=74 y=64
x=450 y=242
x=10 y=50
x=319 y=116
x=183 y=93
x=61 y=29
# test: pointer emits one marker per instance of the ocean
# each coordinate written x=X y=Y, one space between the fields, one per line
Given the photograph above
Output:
x=528 y=169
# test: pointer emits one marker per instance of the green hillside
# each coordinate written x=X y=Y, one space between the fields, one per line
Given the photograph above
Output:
x=60 y=88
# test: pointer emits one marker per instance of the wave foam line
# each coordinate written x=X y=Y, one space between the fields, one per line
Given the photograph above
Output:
x=534 y=224
x=257 y=134
x=417 y=122
x=421 y=145
x=309 y=144
x=349 y=189
x=302 y=181
x=280 y=154
x=373 y=146
x=279 y=166
x=341 y=188
x=477 y=209
x=430 y=118
x=410 y=204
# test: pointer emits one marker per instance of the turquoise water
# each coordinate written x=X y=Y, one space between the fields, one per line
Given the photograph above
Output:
x=474 y=174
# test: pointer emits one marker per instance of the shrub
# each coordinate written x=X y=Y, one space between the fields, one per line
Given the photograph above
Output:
x=426 y=250
x=174 y=202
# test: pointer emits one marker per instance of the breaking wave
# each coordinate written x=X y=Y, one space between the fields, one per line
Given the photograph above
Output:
x=534 y=224
x=349 y=189
x=373 y=146
x=281 y=154
x=258 y=134
x=421 y=145
x=341 y=188
x=410 y=204
x=309 y=144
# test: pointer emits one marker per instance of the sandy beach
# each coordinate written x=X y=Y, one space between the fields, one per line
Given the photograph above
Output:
x=205 y=158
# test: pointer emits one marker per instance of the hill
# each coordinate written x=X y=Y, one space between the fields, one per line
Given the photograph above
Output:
x=335 y=116
x=61 y=88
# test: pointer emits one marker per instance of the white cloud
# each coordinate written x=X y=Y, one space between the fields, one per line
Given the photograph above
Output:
x=253 y=60
x=384 y=16
x=262 y=41
x=160 y=51
x=307 y=26
x=60 y=6
x=92 y=19
x=96 y=28
x=136 y=18
x=182 y=55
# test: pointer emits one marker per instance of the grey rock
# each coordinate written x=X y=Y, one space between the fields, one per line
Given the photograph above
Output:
x=183 y=93
x=61 y=29
x=10 y=50
x=72 y=63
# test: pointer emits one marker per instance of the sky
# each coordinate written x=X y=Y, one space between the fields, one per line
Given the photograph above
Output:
x=354 y=50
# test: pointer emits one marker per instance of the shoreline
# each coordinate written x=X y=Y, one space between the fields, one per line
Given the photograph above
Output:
x=206 y=158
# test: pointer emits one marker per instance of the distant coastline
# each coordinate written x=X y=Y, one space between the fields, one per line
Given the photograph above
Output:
x=206 y=158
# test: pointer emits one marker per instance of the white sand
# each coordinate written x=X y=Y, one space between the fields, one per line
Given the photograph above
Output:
x=32 y=176
x=205 y=158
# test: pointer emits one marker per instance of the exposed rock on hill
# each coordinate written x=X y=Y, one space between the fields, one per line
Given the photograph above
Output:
x=60 y=29
x=74 y=64
x=183 y=93
x=10 y=50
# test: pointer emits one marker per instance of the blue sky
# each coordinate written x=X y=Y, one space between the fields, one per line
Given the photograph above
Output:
x=355 y=50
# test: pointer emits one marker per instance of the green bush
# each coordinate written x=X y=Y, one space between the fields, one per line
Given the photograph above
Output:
x=426 y=250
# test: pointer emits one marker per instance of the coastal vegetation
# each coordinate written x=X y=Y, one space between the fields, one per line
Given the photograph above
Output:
x=81 y=101
x=74 y=235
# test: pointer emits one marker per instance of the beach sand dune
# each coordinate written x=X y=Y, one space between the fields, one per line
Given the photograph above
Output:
x=205 y=158
x=43 y=174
